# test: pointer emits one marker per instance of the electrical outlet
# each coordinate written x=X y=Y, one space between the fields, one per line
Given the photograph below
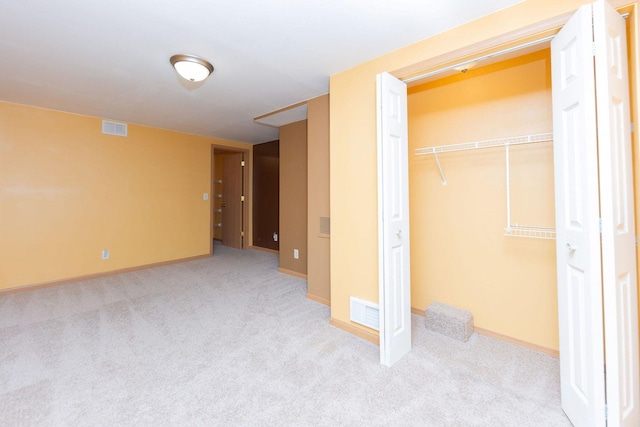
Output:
x=275 y=237
x=205 y=196
x=105 y=254
x=296 y=255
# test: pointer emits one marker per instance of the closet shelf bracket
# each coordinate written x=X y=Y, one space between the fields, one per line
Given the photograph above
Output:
x=444 y=180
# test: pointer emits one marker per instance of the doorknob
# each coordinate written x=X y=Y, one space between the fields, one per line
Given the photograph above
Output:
x=571 y=249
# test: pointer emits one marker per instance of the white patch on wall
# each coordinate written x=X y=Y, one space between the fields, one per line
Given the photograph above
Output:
x=114 y=128
x=365 y=313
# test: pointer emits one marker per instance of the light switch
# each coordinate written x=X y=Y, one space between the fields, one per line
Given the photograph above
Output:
x=205 y=196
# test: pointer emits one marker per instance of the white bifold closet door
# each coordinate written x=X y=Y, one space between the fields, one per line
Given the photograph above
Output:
x=393 y=220
x=597 y=286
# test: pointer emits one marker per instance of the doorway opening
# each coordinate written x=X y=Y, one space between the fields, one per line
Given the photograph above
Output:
x=229 y=198
x=266 y=196
x=499 y=97
x=508 y=283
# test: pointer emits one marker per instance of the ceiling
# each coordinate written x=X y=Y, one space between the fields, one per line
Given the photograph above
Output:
x=110 y=59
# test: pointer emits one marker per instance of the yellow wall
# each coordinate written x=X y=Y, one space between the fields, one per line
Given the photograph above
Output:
x=318 y=277
x=67 y=191
x=293 y=197
x=459 y=255
x=353 y=184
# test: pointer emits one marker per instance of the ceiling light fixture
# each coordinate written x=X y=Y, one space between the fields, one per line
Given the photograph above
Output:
x=191 y=67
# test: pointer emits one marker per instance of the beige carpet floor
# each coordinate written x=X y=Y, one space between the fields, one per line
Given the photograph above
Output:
x=229 y=341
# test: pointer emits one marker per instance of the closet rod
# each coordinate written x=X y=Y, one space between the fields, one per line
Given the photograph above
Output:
x=490 y=143
x=477 y=59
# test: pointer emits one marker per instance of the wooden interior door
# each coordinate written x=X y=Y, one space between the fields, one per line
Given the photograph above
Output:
x=232 y=196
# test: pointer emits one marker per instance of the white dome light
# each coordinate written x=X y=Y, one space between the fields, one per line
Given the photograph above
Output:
x=191 y=67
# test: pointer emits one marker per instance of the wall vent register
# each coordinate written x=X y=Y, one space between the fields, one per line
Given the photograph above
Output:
x=325 y=225
x=365 y=313
x=114 y=128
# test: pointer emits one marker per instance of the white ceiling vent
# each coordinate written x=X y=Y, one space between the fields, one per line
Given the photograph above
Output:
x=114 y=128
x=366 y=313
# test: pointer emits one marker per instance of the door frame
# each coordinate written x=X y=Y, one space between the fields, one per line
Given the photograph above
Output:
x=246 y=189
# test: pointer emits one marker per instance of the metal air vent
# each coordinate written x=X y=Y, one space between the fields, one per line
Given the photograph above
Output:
x=114 y=128
x=366 y=313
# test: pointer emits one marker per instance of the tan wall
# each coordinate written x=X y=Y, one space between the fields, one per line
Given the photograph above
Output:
x=459 y=254
x=67 y=192
x=293 y=197
x=353 y=183
x=318 y=276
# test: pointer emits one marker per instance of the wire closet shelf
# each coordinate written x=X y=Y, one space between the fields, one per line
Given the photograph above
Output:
x=532 y=232
x=490 y=143
x=515 y=230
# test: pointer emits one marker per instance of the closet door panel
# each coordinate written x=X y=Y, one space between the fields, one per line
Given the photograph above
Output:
x=577 y=222
x=393 y=228
x=617 y=211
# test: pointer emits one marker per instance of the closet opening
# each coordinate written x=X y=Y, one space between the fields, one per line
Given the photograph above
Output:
x=508 y=283
x=482 y=93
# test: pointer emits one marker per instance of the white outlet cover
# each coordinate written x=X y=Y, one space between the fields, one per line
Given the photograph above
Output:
x=205 y=196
